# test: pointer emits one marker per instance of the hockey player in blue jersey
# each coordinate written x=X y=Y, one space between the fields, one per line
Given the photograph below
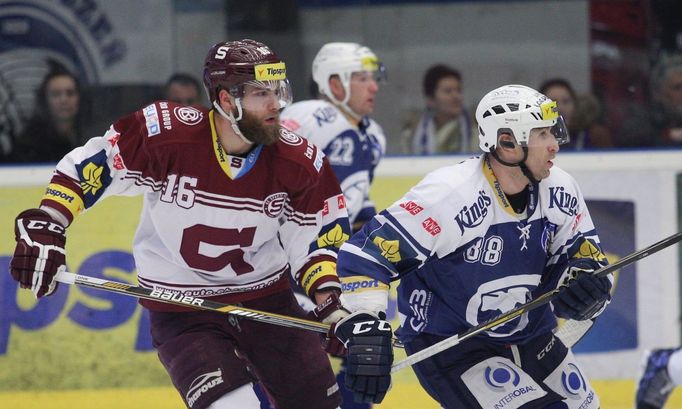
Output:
x=348 y=76
x=470 y=242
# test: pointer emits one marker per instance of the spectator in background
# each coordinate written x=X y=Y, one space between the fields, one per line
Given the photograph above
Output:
x=183 y=89
x=581 y=114
x=55 y=127
x=659 y=124
x=445 y=126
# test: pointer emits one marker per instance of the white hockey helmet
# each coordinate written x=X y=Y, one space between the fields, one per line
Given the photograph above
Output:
x=343 y=59
x=516 y=109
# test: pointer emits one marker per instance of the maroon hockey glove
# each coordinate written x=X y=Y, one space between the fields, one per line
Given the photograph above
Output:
x=329 y=312
x=39 y=253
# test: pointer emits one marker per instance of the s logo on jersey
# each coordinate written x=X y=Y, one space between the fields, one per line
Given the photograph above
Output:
x=473 y=215
x=188 y=115
x=562 y=200
x=289 y=138
x=273 y=205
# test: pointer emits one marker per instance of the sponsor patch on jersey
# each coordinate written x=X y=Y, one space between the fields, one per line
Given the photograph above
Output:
x=289 y=137
x=270 y=72
x=202 y=384
x=411 y=207
x=319 y=160
x=560 y=199
x=390 y=249
x=359 y=284
x=188 y=115
x=497 y=383
x=113 y=139
x=341 y=202
x=474 y=214
x=333 y=237
x=431 y=226
x=151 y=117
x=94 y=177
x=64 y=196
x=590 y=250
x=547 y=236
x=274 y=204
x=118 y=162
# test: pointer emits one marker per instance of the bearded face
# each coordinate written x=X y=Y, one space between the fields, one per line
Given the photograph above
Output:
x=260 y=129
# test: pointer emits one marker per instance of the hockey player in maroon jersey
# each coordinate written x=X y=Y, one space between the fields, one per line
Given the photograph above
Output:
x=233 y=203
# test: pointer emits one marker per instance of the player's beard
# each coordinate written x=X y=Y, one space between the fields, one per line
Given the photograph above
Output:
x=254 y=130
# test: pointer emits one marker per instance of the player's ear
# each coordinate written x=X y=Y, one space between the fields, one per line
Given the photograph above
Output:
x=336 y=87
x=225 y=100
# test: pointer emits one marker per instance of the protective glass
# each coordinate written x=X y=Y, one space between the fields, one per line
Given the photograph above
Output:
x=560 y=131
x=260 y=95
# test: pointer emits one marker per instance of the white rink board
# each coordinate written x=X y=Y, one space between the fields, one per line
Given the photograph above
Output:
x=647 y=178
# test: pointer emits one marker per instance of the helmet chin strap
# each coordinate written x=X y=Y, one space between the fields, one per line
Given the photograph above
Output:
x=522 y=164
x=233 y=121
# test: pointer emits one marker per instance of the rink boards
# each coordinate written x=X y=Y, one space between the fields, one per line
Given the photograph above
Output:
x=99 y=347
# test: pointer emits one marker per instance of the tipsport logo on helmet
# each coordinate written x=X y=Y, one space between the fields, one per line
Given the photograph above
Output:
x=370 y=63
x=549 y=110
x=270 y=72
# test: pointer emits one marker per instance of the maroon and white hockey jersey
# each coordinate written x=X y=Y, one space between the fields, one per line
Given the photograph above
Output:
x=212 y=225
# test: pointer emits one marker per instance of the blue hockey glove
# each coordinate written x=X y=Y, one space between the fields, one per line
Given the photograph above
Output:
x=583 y=294
x=368 y=339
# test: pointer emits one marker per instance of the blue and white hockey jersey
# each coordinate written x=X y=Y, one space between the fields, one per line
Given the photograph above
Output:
x=463 y=256
x=353 y=152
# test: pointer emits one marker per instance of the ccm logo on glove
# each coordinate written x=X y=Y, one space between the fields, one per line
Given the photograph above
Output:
x=367 y=326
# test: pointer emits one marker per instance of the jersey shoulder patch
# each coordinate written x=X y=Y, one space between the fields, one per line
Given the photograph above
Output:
x=168 y=120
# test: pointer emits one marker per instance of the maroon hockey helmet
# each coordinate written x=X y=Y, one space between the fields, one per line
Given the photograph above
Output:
x=230 y=64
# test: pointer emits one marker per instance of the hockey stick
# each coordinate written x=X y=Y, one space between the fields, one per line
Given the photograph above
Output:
x=173 y=298
x=531 y=305
x=170 y=297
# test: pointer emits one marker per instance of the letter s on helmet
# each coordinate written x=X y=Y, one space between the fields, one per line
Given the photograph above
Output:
x=516 y=109
x=231 y=64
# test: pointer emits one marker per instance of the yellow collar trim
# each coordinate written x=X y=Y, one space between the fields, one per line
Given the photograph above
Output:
x=220 y=153
x=497 y=189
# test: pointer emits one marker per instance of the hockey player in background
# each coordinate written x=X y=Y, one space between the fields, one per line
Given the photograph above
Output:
x=470 y=242
x=348 y=77
x=233 y=204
